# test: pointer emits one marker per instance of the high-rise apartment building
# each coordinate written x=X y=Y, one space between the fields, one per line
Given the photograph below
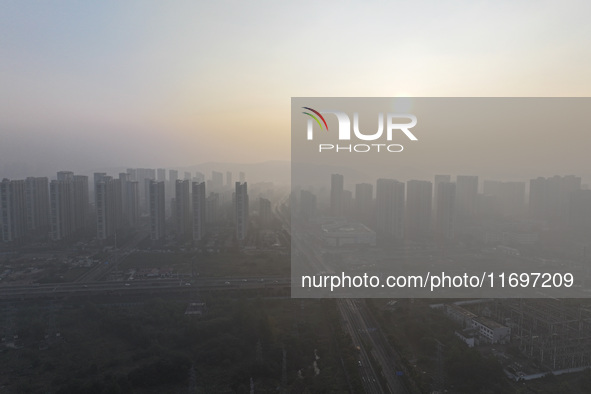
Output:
x=418 y=209
x=508 y=197
x=389 y=211
x=437 y=180
x=241 y=211
x=144 y=176
x=265 y=213
x=183 y=218
x=549 y=197
x=228 y=179
x=13 y=223
x=364 y=203
x=217 y=180
x=173 y=176
x=37 y=204
x=157 y=211
x=106 y=206
x=81 y=201
x=131 y=174
x=212 y=209
x=445 y=211
x=308 y=207
x=68 y=205
x=61 y=196
x=466 y=196
x=336 y=194
x=161 y=174
x=199 y=177
x=132 y=203
x=580 y=211
x=199 y=206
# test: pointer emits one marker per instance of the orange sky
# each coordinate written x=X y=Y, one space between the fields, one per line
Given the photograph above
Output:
x=157 y=84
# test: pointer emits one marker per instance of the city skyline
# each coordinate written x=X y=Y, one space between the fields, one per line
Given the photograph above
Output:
x=34 y=209
x=181 y=181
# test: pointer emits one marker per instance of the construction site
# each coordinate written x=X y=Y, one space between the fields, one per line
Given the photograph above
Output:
x=555 y=334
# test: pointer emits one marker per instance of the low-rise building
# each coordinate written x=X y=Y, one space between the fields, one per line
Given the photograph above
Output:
x=468 y=336
x=477 y=329
x=346 y=233
x=459 y=314
x=491 y=331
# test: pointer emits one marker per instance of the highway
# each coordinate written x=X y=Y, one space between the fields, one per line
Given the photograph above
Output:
x=369 y=376
x=357 y=320
x=384 y=354
x=32 y=291
x=368 y=336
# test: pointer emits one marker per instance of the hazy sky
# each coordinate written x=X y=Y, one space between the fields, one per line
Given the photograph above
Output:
x=140 y=83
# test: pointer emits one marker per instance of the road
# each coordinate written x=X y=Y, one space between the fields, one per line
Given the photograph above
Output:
x=369 y=376
x=368 y=336
x=357 y=320
x=21 y=292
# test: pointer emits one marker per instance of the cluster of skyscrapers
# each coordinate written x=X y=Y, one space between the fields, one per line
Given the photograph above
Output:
x=24 y=207
x=420 y=210
x=36 y=208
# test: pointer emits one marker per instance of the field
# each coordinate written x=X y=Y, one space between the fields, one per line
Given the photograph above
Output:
x=155 y=348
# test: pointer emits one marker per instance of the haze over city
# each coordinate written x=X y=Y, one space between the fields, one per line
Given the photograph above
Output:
x=153 y=238
x=87 y=86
